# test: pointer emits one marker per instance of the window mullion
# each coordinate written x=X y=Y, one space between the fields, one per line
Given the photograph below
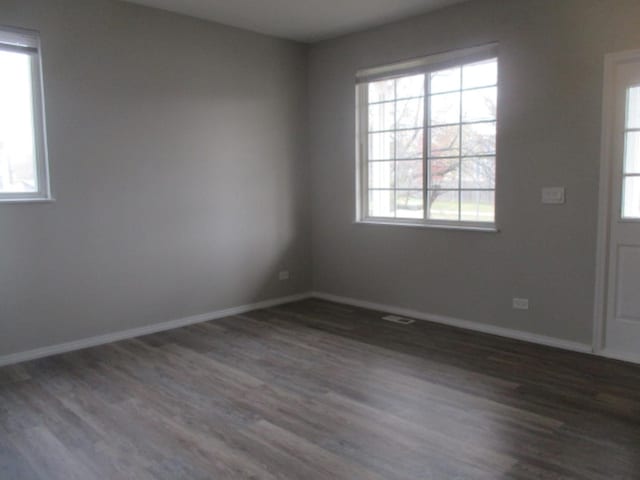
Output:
x=395 y=148
x=363 y=93
x=460 y=151
x=426 y=138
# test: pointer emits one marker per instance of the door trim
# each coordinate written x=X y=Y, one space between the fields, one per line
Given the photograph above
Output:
x=611 y=61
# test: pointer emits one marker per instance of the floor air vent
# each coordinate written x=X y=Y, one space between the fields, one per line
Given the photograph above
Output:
x=400 y=320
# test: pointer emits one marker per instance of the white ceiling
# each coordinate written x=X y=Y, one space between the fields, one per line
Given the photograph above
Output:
x=302 y=20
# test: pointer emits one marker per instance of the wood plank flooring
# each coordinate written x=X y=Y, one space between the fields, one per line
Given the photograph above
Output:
x=317 y=390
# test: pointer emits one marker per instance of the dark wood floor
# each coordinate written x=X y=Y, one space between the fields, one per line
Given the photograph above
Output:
x=315 y=390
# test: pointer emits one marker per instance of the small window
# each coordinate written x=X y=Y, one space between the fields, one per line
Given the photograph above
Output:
x=427 y=140
x=631 y=164
x=23 y=159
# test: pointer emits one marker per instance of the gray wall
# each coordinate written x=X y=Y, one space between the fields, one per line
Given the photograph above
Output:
x=179 y=165
x=551 y=66
x=177 y=150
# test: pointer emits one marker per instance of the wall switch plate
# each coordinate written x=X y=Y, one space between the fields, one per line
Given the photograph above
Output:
x=283 y=275
x=553 y=195
x=521 y=303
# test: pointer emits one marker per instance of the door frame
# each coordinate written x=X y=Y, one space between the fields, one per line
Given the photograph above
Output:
x=611 y=61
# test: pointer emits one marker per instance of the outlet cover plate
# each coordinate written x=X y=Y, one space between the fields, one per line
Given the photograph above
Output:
x=553 y=195
x=521 y=303
x=283 y=275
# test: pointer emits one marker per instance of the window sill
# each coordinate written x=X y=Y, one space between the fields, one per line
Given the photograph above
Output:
x=436 y=226
x=23 y=201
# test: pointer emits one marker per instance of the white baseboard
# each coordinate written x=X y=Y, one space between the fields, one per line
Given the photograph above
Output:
x=457 y=322
x=624 y=356
x=405 y=312
x=146 y=330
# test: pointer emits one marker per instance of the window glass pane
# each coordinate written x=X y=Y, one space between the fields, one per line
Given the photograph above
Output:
x=409 y=143
x=443 y=173
x=381 y=116
x=478 y=105
x=409 y=204
x=17 y=138
x=443 y=204
x=445 y=80
x=479 y=172
x=480 y=74
x=409 y=174
x=444 y=141
x=381 y=91
x=632 y=152
x=381 y=174
x=479 y=139
x=381 y=203
x=444 y=108
x=477 y=206
x=631 y=198
x=412 y=86
x=410 y=113
x=381 y=146
x=633 y=108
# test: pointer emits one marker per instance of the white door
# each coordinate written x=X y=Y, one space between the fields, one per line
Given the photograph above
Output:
x=622 y=315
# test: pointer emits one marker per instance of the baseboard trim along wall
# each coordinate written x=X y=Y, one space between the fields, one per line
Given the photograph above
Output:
x=405 y=312
x=141 y=331
x=622 y=356
x=457 y=322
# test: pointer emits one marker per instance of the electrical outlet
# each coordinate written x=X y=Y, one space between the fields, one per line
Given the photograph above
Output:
x=521 y=303
x=553 y=195
x=283 y=275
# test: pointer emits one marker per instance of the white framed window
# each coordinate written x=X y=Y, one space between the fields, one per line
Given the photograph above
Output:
x=631 y=164
x=24 y=172
x=427 y=140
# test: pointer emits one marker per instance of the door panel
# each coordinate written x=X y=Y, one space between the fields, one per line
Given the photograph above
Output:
x=622 y=332
x=628 y=273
